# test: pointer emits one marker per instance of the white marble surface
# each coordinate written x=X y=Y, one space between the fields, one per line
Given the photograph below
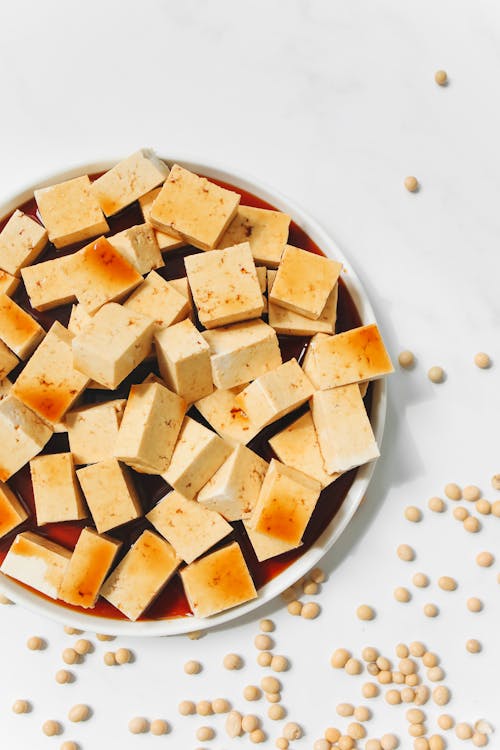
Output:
x=333 y=103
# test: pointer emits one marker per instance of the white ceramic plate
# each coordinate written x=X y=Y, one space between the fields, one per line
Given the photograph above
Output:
x=353 y=498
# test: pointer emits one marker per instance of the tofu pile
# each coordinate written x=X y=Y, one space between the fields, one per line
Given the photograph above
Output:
x=211 y=340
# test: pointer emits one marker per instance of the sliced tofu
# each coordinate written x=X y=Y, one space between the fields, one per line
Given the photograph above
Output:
x=159 y=300
x=217 y=582
x=242 y=352
x=224 y=285
x=37 y=562
x=226 y=417
x=56 y=490
x=265 y=230
x=21 y=241
x=344 y=431
x=141 y=575
x=190 y=528
x=78 y=319
x=291 y=323
x=70 y=212
x=51 y=283
x=8 y=283
x=266 y=546
x=197 y=455
x=139 y=246
x=309 y=361
x=193 y=209
x=12 y=512
x=8 y=360
x=18 y=330
x=110 y=494
x=23 y=434
x=165 y=241
x=89 y=565
x=234 y=488
x=93 y=431
x=184 y=360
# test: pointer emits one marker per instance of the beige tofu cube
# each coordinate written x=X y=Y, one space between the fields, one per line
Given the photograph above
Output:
x=110 y=494
x=182 y=286
x=275 y=394
x=159 y=300
x=190 y=528
x=141 y=575
x=193 y=209
x=304 y=282
x=22 y=435
x=234 y=488
x=78 y=319
x=165 y=241
x=293 y=324
x=89 y=565
x=8 y=283
x=49 y=384
x=139 y=246
x=5 y=388
x=114 y=342
x=286 y=502
x=51 y=283
x=266 y=546
x=21 y=241
x=265 y=230
x=218 y=581
x=128 y=180
x=93 y=431
x=18 y=330
x=184 y=360
x=8 y=360
x=55 y=489
x=12 y=512
x=36 y=562
x=197 y=455
x=262 y=277
x=224 y=285
x=150 y=428
x=309 y=361
x=242 y=352
x=70 y=212
x=227 y=418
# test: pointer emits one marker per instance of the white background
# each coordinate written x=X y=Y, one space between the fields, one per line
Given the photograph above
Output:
x=333 y=103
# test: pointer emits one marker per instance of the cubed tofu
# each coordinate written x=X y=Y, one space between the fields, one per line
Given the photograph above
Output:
x=165 y=241
x=265 y=230
x=344 y=431
x=141 y=575
x=23 y=434
x=297 y=446
x=193 y=209
x=224 y=285
x=51 y=283
x=12 y=512
x=291 y=323
x=242 y=352
x=309 y=361
x=128 y=180
x=18 y=330
x=93 y=430
x=184 y=360
x=139 y=246
x=304 y=282
x=226 y=417
x=266 y=546
x=286 y=502
x=150 y=428
x=37 y=562
x=5 y=388
x=101 y=274
x=49 y=384
x=8 y=360
x=159 y=300
x=8 y=283
x=190 y=528
x=21 y=241
x=234 y=488
x=70 y=212
x=56 y=490
x=275 y=394
x=89 y=565
x=262 y=277
x=78 y=319
x=197 y=455
x=114 y=342
x=218 y=581
x=110 y=494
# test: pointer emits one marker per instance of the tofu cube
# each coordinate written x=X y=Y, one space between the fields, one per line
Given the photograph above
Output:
x=51 y=283
x=265 y=230
x=193 y=209
x=184 y=360
x=114 y=342
x=49 y=384
x=291 y=323
x=70 y=212
x=225 y=286
x=18 y=330
x=165 y=241
x=55 y=489
x=309 y=361
x=150 y=428
x=190 y=528
x=110 y=494
x=129 y=180
x=159 y=300
x=8 y=360
x=5 y=388
x=197 y=455
x=93 y=431
x=22 y=435
x=89 y=565
x=36 y=562
x=304 y=282
x=141 y=575
x=21 y=241
x=12 y=512
x=286 y=502
x=8 y=283
x=234 y=488
x=226 y=417
x=139 y=246
x=266 y=546
x=78 y=319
